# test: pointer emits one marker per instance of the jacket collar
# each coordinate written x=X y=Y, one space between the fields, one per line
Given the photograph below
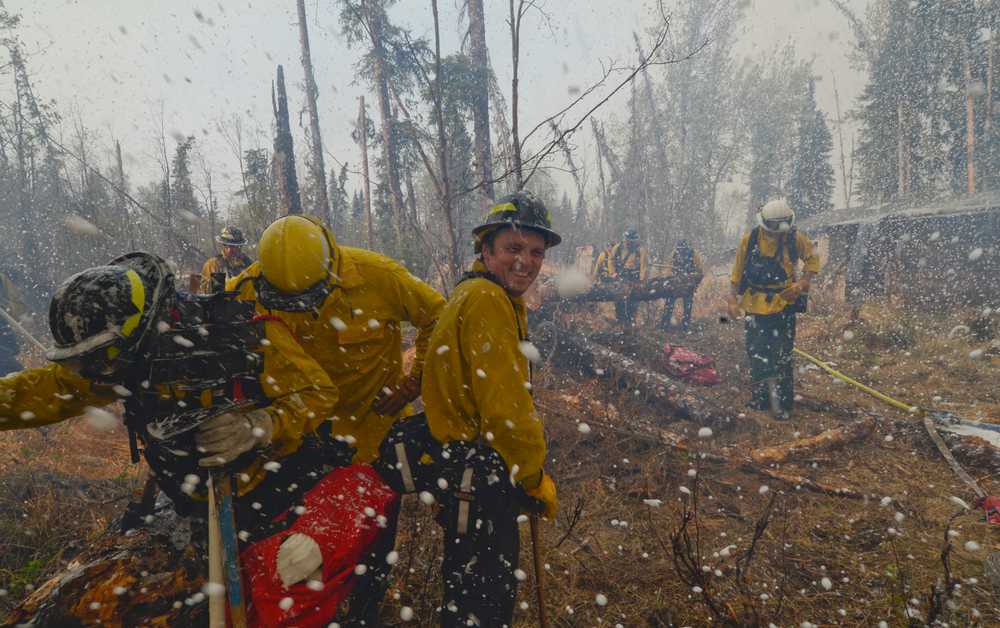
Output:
x=348 y=275
x=480 y=271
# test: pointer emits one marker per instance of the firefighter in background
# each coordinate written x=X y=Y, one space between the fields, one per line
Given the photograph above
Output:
x=480 y=427
x=627 y=264
x=687 y=270
x=231 y=261
x=10 y=302
x=600 y=270
x=765 y=286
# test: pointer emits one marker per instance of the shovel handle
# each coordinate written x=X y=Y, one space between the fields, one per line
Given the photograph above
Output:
x=539 y=588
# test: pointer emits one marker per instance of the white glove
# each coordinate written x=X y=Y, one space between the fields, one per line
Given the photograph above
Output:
x=223 y=438
x=299 y=558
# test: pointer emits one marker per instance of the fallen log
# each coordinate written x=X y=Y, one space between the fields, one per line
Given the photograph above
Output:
x=824 y=441
x=648 y=290
x=799 y=481
x=573 y=352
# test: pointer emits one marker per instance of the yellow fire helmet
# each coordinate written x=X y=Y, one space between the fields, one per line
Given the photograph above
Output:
x=297 y=253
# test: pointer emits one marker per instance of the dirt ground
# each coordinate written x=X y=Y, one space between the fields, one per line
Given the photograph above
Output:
x=851 y=536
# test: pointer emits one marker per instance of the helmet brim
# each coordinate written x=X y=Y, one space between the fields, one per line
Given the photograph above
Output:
x=551 y=237
x=85 y=346
x=230 y=242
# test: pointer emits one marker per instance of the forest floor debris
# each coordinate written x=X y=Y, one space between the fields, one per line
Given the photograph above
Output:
x=854 y=534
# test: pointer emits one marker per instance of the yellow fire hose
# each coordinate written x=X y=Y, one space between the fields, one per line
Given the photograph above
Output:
x=868 y=389
x=911 y=409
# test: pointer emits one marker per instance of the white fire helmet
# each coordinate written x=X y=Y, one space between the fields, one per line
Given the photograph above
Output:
x=776 y=216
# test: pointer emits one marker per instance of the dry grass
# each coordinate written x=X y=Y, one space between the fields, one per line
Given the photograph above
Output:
x=59 y=488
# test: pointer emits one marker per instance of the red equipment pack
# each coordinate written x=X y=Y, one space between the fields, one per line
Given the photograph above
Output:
x=345 y=513
x=991 y=506
x=689 y=366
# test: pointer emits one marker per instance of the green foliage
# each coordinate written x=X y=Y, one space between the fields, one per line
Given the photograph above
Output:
x=811 y=187
x=773 y=108
x=913 y=110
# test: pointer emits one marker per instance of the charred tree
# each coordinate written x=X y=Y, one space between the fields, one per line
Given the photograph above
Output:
x=29 y=243
x=515 y=49
x=574 y=352
x=365 y=177
x=479 y=55
x=284 y=152
x=316 y=166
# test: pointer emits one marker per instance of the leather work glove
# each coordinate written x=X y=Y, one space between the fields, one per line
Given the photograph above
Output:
x=223 y=438
x=545 y=492
x=299 y=558
x=390 y=400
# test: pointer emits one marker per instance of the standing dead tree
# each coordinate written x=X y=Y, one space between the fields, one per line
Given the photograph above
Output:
x=479 y=56
x=366 y=184
x=284 y=151
x=316 y=165
x=522 y=168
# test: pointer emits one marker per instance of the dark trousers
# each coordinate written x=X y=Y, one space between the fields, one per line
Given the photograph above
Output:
x=670 y=304
x=769 y=341
x=371 y=587
x=625 y=311
x=478 y=567
x=477 y=512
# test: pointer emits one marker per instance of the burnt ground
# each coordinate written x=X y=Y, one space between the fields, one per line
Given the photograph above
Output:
x=847 y=536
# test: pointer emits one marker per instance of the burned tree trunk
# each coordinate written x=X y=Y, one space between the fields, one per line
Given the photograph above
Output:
x=574 y=352
x=481 y=96
x=365 y=178
x=317 y=166
x=284 y=152
x=649 y=290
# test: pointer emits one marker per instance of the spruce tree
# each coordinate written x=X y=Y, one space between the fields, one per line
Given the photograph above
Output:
x=811 y=188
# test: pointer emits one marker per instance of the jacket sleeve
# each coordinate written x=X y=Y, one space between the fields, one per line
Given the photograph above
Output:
x=420 y=305
x=740 y=262
x=600 y=266
x=612 y=256
x=807 y=253
x=642 y=264
x=301 y=393
x=46 y=395
x=500 y=387
x=699 y=267
x=206 y=275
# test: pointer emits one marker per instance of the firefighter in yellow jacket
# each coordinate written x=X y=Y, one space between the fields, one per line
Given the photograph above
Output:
x=346 y=306
x=481 y=428
x=205 y=384
x=765 y=285
x=627 y=264
x=230 y=262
